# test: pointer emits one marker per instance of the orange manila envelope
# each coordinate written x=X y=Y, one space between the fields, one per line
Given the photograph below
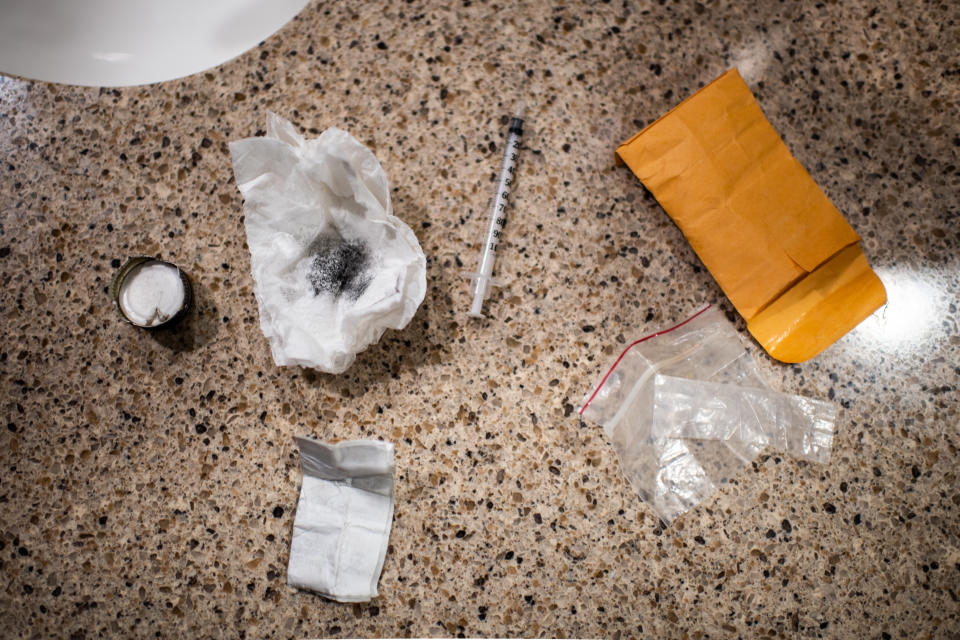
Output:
x=778 y=248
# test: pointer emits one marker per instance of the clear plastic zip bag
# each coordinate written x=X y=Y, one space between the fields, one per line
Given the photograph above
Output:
x=696 y=409
x=673 y=456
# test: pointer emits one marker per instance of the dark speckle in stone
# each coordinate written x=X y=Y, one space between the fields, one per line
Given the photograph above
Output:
x=4 y=252
x=786 y=525
x=461 y=533
x=278 y=512
x=771 y=533
x=829 y=508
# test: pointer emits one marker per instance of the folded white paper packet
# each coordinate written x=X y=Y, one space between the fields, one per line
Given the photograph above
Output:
x=799 y=426
x=343 y=519
x=333 y=268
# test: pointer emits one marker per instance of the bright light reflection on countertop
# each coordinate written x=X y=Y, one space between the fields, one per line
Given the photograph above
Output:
x=15 y=96
x=754 y=57
x=913 y=312
x=752 y=60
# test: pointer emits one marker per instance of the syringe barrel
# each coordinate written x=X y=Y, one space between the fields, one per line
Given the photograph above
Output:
x=498 y=211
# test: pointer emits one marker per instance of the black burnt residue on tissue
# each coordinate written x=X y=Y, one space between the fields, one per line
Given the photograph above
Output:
x=340 y=267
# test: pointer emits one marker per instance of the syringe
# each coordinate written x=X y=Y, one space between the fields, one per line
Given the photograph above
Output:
x=482 y=279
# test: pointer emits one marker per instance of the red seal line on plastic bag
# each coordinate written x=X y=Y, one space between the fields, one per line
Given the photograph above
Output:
x=630 y=346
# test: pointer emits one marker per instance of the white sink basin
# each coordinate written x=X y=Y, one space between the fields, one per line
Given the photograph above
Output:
x=128 y=42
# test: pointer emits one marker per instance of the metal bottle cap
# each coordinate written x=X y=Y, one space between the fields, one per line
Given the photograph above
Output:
x=160 y=318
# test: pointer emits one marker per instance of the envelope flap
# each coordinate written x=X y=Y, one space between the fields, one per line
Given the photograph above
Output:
x=820 y=309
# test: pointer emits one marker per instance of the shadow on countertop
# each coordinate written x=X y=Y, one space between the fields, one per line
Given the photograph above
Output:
x=197 y=328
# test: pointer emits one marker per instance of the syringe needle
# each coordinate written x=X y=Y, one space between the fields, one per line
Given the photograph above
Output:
x=483 y=278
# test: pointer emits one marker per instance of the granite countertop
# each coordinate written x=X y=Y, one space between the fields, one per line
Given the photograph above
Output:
x=149 y=481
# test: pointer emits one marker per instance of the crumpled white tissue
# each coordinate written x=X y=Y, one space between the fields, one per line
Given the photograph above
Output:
x=343 y=519
x=333 y=268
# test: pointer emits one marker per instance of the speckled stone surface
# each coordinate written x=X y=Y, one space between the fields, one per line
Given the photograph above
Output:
x=149 y=481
